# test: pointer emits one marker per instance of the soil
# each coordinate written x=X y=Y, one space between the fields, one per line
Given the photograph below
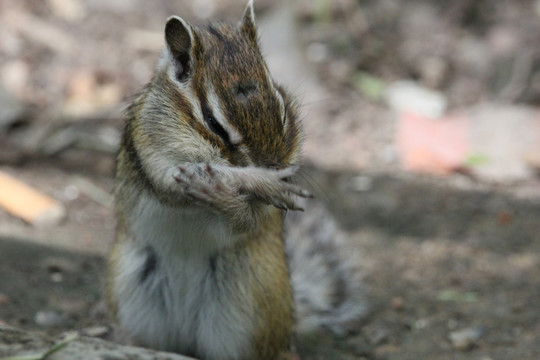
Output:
x=452 y=264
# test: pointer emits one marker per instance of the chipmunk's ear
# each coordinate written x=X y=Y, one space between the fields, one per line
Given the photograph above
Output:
x=247 y=25
x=179 y=40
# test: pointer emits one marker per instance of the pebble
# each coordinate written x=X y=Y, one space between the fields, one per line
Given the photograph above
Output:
x=57 y=277
x=96 y=331
x=465 y=339
x=317 y=52
x=362 y=183
x=49 y=318
x=408 y=96
x=71 y=192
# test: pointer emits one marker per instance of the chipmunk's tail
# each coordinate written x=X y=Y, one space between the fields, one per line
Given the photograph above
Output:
x=325 y=273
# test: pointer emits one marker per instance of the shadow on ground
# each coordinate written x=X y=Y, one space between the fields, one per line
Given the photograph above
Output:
x=47 y=288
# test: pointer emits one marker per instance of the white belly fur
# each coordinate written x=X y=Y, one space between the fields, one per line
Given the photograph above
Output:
x=177 y=308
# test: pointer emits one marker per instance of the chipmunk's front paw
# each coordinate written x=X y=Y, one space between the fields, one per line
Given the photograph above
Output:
x=232 y=189
x=271 y=186
x=203 y=185
x=199 y=183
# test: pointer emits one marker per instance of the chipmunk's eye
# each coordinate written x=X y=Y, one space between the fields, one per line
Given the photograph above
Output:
x=215 y=126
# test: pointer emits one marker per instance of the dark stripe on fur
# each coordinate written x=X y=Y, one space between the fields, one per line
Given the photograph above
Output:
x=133 y=156
x=150 y=264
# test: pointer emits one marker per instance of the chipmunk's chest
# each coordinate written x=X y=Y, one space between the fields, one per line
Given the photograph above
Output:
x=172 y=296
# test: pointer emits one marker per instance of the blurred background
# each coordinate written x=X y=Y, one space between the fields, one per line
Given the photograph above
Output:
x=422 y=145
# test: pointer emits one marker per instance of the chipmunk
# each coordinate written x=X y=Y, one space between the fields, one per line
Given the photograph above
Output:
x=202 y=185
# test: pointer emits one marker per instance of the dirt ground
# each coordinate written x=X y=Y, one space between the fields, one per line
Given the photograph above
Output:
x=452 y=263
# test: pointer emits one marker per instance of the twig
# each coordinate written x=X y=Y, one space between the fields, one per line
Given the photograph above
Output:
x=43 y=356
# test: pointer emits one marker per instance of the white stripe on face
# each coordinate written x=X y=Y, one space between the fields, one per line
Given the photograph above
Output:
x=184 y=87
x=213 y=102
x=281 y=106
x=278 y=95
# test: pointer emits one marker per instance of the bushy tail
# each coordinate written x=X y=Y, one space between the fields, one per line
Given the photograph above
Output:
x=325 y=273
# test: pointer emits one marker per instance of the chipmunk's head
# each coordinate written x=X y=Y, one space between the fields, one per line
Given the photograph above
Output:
x=223 y=88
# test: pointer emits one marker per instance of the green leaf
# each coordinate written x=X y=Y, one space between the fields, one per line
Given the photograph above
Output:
x=322 y=11
x=476 y=160
x=456 y=296
x=370 y=86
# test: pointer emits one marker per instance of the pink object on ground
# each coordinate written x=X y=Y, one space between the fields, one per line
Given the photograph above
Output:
x=438 y=146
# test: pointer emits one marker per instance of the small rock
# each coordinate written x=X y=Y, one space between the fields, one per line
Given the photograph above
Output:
x=408 y=96
x=362 y=183
x=467 y=338
x=71 y=192
x=420 y=324
x=317 y=52
x=57 y=277
x=96 y=331
x=49 y=318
